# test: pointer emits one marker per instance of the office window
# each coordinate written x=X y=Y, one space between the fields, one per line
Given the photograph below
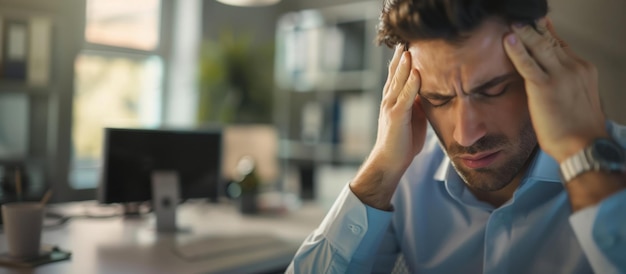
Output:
x=122 y=23
x=118 y=80
x=110 y=92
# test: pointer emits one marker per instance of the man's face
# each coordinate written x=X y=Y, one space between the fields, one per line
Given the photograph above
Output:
x=476 y=103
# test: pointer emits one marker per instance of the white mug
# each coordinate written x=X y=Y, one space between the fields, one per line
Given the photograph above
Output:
x=22 y=222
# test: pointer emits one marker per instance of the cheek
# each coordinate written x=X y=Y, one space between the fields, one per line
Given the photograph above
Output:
x=514 y=106
x=509 y=114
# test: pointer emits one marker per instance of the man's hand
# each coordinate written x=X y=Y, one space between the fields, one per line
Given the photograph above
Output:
x=401 y=134
x=564 y=105
x=562 y=89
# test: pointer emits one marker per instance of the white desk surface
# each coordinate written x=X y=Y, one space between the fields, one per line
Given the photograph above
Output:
x=123 y=245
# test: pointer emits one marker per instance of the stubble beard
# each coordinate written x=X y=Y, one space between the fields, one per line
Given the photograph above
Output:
x=497 y=177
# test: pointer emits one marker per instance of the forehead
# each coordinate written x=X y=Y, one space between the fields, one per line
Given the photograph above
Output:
x=445 y=67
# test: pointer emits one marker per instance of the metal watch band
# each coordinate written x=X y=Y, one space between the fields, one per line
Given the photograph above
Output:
x=603 y=154
x=577 y=164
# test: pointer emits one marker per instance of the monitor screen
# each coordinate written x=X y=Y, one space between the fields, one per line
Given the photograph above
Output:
x=132 y=155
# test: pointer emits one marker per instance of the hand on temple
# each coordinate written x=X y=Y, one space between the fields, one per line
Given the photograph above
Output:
x=401 y=134
x=562 y=89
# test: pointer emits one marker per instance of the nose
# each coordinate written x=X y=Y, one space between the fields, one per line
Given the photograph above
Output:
x=468 y=127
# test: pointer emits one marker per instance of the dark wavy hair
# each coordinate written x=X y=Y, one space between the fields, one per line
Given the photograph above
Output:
x=402 y=21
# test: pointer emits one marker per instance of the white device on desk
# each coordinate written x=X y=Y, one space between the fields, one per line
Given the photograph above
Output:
x=244 y=253
x=165 y=198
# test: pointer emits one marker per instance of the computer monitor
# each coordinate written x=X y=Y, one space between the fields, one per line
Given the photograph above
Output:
x=132 y=155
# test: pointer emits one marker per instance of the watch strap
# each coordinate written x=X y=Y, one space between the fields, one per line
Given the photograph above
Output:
x=577 y=164
x=604 y=154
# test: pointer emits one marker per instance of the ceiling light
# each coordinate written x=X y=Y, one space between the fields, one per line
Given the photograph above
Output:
x=249 y=3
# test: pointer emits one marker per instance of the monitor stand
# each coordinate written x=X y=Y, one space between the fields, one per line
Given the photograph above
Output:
x=165 y=199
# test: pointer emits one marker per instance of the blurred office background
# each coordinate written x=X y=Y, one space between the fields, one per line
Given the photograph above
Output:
x=297 y=82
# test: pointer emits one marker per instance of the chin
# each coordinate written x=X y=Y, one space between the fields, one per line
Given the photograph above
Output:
x=492 y=179
x=488 y=186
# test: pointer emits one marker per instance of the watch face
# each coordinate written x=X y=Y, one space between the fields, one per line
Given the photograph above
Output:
x=609 y=151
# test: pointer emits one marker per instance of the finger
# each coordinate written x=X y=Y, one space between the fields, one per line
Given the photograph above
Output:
x=407 y=96
x=568 y=55
x=561 y=51
x=400 y=77
x=393 y=66
x=397 y=54
x=542 y=47
x=521 y=59
x=550 y=28
x=565 y=49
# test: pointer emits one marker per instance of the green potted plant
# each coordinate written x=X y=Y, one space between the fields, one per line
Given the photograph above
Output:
x=236 y=80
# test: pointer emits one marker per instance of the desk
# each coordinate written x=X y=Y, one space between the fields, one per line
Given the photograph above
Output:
x=123 y=245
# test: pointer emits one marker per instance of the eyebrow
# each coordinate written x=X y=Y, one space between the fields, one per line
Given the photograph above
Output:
x=484 y=86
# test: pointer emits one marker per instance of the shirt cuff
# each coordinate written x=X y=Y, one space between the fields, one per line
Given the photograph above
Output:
x=601 y=232
x=354 y=228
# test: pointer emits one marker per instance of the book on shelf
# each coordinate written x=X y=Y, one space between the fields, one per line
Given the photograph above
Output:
x=15 y=49
x=39 y=51
x=25 y=45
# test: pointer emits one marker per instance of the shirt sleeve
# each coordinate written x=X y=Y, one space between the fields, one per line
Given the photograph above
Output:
x=601 y=231
x=346 y=241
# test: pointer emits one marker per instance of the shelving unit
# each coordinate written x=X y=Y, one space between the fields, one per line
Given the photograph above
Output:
x=330 y=75
x=25 y=137
x=37 y=105
x=13 y=86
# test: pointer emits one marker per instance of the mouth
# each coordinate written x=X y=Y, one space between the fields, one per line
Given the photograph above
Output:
x=480 y=160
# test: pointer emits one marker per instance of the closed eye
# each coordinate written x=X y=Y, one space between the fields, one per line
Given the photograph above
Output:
x=494 y=92
x=437 y=100
x=438 y=103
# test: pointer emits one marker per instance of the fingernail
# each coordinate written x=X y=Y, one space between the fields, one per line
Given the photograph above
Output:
x=403 y=59
x=512 y=39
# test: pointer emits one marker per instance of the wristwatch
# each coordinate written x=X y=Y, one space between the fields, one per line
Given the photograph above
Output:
x=603 y=154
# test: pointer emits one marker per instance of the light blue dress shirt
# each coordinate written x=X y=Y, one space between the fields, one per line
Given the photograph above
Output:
x=440 y=227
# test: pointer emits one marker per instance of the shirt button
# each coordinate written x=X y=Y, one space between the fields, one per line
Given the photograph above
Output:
x=355 y=229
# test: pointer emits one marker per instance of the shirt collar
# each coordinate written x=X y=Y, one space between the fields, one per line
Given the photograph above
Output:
x=542 y=168
x=442 y=170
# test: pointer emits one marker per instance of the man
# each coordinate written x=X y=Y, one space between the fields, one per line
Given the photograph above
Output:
x=505 y=186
